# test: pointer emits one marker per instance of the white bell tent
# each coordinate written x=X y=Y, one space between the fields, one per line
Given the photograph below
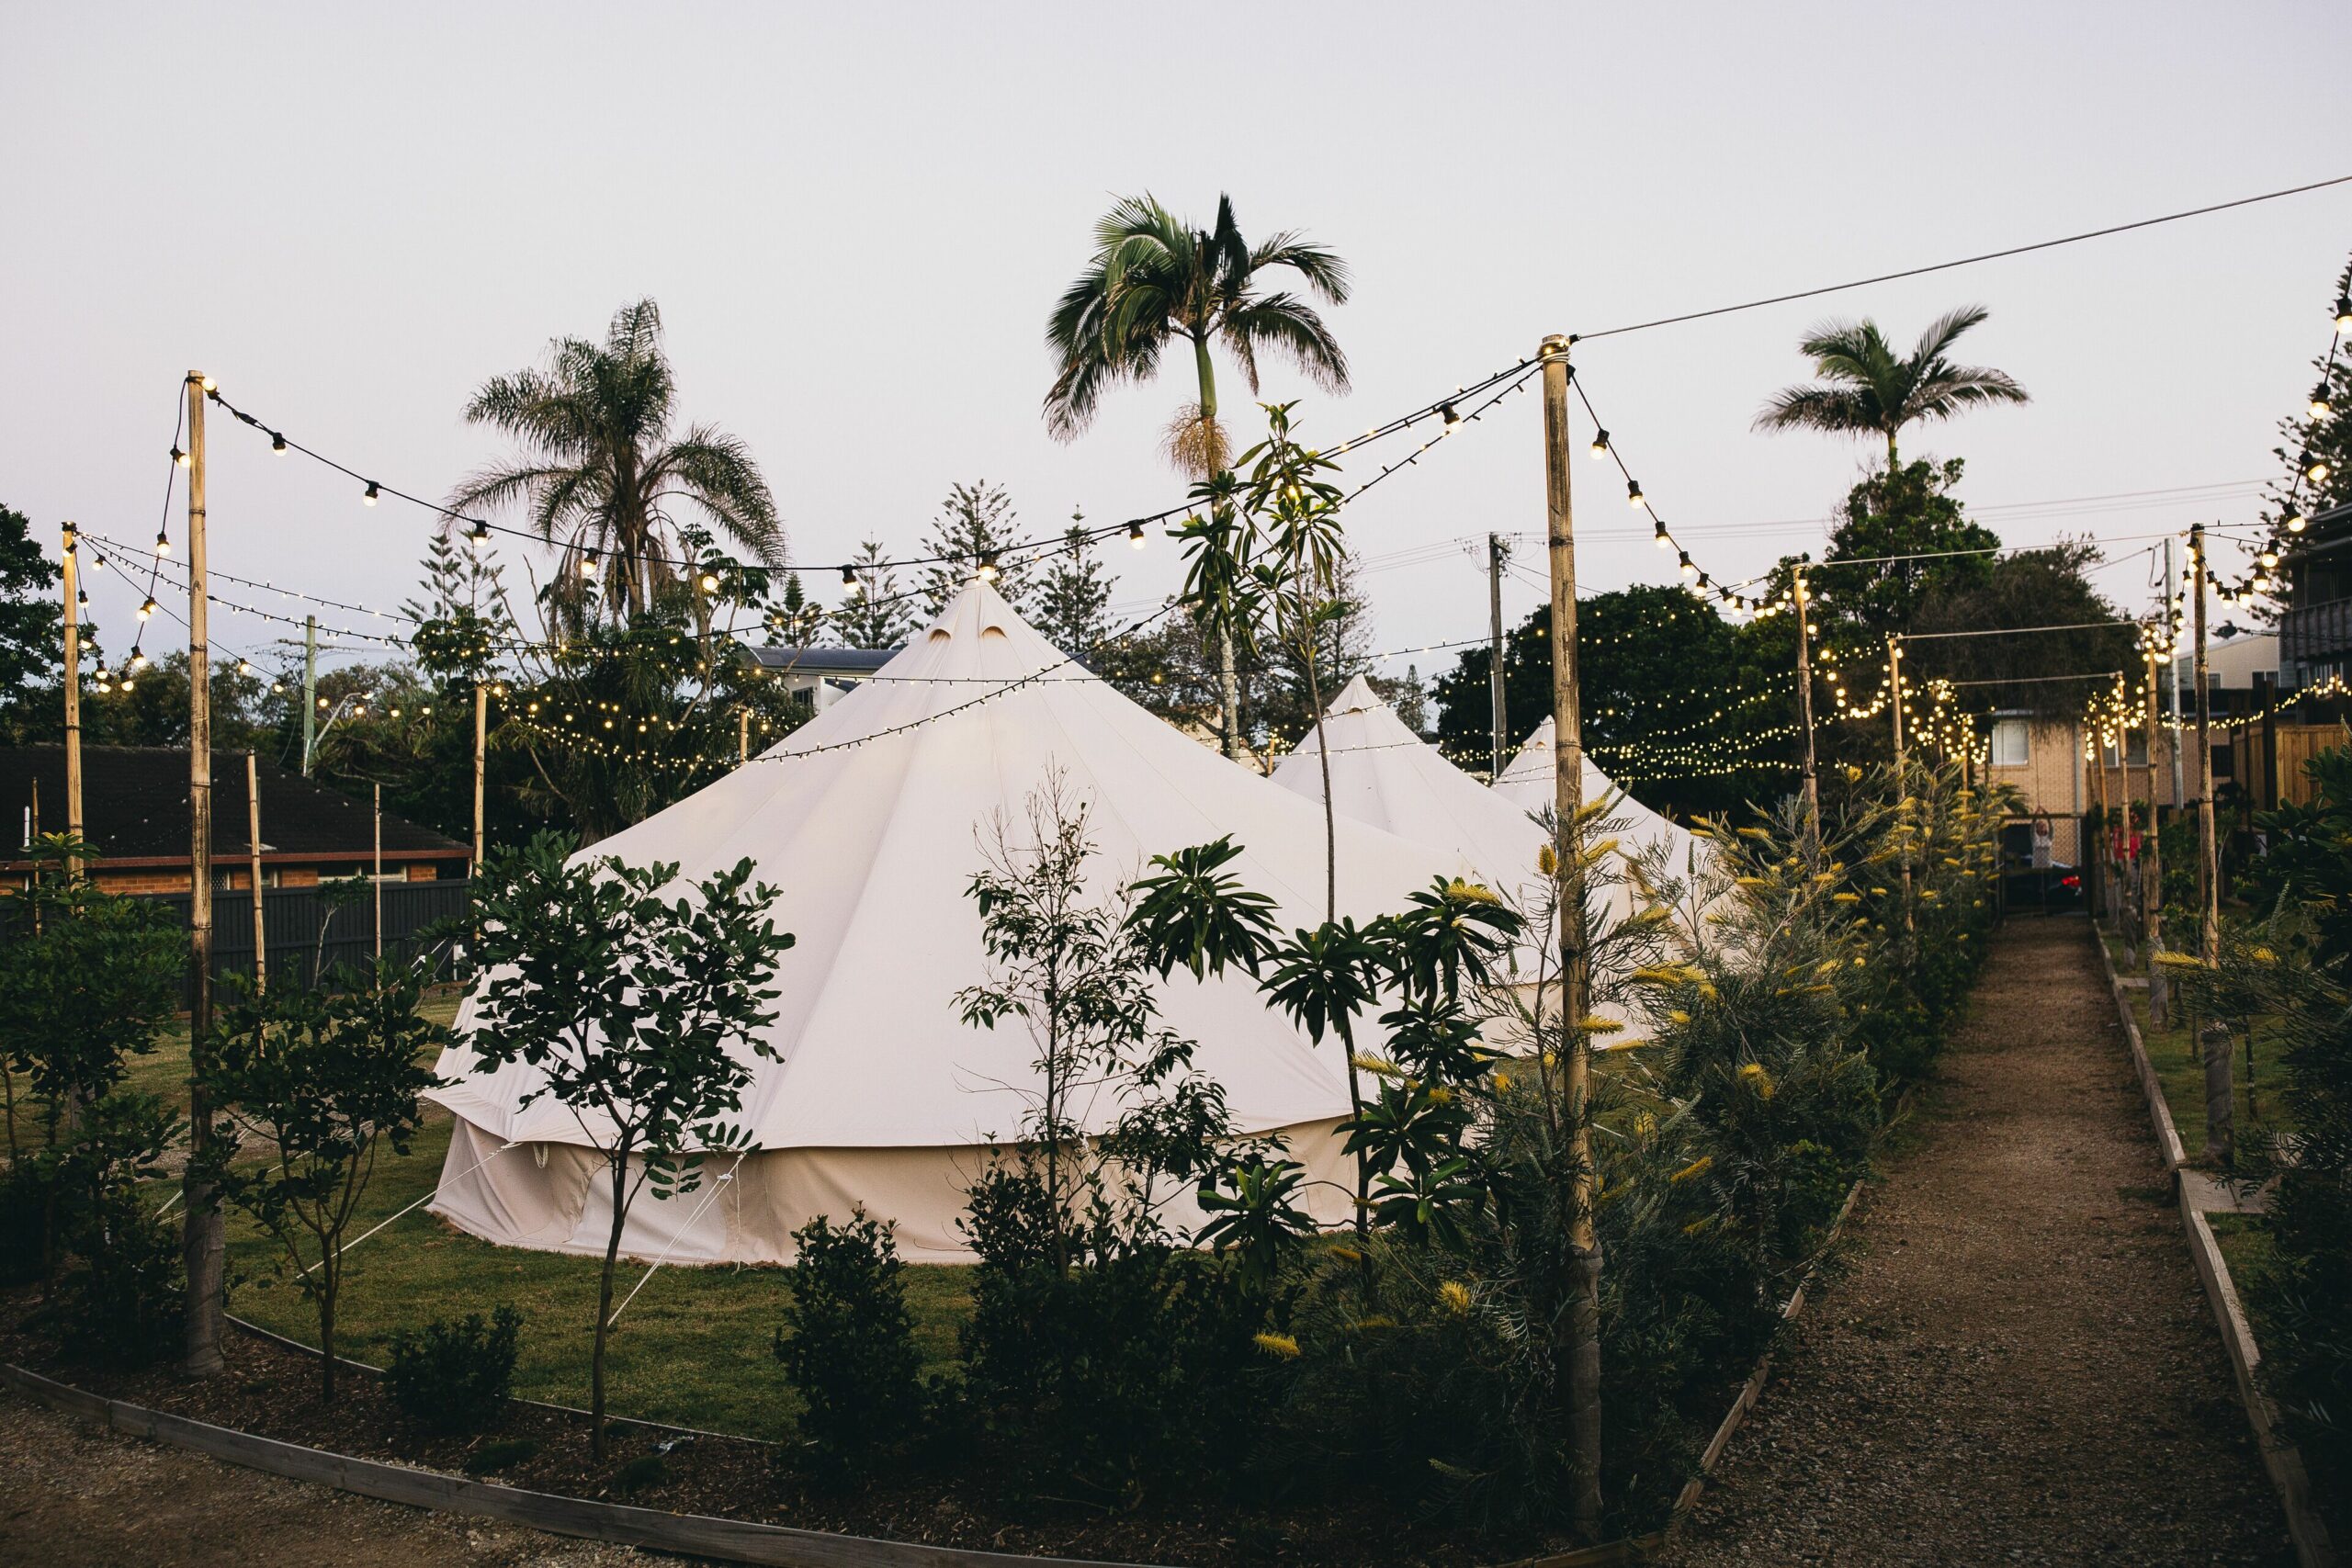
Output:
x=869 y=817
x=1527 y=783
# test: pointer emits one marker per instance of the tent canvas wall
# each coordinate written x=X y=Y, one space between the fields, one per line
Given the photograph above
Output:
x=1528 y=783
x=866 y=817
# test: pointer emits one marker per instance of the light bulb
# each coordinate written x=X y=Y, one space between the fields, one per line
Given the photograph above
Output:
x=2269 y=558
x=367 y=496
x=2295 y=522
x=709 y=583
x=2320 y=406
x=1632 y=492
x=1600 y=444
x=163 y=542
x=588 y=566
x=278 y=443
x=1135 y=535
x=179 y=456
x=244 y=667
x=97 y=563
x=209 y=384
x=1684 y=564
x=1658 y=536
x=2317 y=471
x=849 y=577
x=146 y=609
x=2343 y=313
x=1452 y=415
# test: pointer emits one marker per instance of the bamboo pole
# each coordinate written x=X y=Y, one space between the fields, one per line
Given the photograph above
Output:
x=2209 y=860
x=72 y=687
x=2152 y=864
x=481 y=747
x=378 y=880
x=1804 y=714
x=742 y=735
x=1567 y=802
x=1902 y=777
x=201 y=1235
x=253 y=848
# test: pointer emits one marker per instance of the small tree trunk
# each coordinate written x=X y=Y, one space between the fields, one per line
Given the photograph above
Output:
x=604 y=1307
x=1228 y=686
x=326 y=1333
x=2220 y=1093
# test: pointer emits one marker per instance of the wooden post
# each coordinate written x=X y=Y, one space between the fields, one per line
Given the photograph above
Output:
x=73 y=685
x=378 y=881
x=2267 y=681
x=2209 y=858
x=2221 y=1094
x=1576 y=976
x=2099 y=906
x=1496 y=698
x=481 y=746
x=742 y=735
x=253 y=832
x=1804 y=715
x=201 y=1235
x=2151 y=864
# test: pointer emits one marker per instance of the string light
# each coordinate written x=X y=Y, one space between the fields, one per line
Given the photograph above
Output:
x=147 y=609
x=367 y=496
x=1633 y=492
x=1600 y=443
x=1136 y=538
x=179 y=456
x=163 y=542
x=278 y=443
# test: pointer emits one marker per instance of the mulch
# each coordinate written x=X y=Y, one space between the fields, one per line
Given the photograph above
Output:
x=2019 y=1364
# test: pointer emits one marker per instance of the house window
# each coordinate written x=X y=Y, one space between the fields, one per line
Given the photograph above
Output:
x=2011 y=747
x=2135 y=751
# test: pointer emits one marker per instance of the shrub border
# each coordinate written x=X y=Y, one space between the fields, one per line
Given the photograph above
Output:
x=2281 y=1459
x=742 y=1540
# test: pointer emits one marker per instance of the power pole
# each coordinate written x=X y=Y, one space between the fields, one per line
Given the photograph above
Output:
x=200 y=1237
x=2208 y=867
x=1804 y=714
x=310 y=689
x=1495 y=550
x=1576 y=976
x=73 y=686
x=253 y=848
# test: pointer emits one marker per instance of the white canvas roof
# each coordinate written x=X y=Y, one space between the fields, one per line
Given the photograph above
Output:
x=1527 y=783
x=866 y=818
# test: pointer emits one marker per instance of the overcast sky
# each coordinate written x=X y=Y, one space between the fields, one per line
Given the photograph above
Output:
x=856 y=218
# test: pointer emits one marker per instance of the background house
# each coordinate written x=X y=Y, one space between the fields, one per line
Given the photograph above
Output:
x=135 y=813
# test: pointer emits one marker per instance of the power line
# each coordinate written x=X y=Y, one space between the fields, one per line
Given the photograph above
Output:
x=1963 y=260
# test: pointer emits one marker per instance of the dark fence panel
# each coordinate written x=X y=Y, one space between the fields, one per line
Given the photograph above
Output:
x=297 y=918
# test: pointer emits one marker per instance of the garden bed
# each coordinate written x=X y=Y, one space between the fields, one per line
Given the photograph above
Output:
x=270 y=1390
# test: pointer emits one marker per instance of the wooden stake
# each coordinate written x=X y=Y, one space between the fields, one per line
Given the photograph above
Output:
x=2152 y=866
x=1576 y=975
x=253 y=832
x=1902 y=777
x=742 y=735
x=73 y=686
x=380 y=873
x=201 y=1235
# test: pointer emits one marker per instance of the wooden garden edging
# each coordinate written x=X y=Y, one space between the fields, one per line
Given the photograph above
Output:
x=2280 y=1458
x=700 y=1535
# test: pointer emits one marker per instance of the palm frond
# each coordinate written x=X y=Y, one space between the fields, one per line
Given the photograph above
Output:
x=1291 y=327
x=1841 y=411
x=1943 y=329
x=1318 y=265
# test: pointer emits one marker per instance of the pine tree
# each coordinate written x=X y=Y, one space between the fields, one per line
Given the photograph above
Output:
x=1074 y=600
x=796 y=620
x=463 y=627
x=975 y=526
x=873 y=614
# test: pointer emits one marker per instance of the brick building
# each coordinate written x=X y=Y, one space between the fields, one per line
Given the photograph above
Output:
x=135 y=813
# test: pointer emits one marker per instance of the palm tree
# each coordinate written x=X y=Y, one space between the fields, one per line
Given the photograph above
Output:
x=1870 y=392
x=601 y=470
x=1155 y=279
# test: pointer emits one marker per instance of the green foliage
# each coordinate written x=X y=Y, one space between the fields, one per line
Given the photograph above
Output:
x=452 y=1377
x=975 y=527
x=492 y=1457
x=1868 y=389
x=31 y=630
x=847 y=1343
x=639 y=1002
x=1127 y=1371
x=874 y=612
x=323 y=1081
x=125 y=1301
x=1072 y=601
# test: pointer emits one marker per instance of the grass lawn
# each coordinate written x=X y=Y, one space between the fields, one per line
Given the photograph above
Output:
x=2180 y=1070
x=2245 y=1244
x=694 y=1348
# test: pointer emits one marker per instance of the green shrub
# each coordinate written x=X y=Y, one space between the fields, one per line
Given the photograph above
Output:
x=23 y=1194
x=848 y=1343
x=454 y=1377
x=642 y=1473
x=126 y=1301
x=1132 y=1367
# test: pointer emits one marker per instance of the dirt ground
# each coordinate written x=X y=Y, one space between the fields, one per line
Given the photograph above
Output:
x=75 y=1497
x=2019 y=1364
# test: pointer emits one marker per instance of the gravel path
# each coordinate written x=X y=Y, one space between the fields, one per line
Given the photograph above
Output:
x=2017 y=1365
x=72 y=1495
